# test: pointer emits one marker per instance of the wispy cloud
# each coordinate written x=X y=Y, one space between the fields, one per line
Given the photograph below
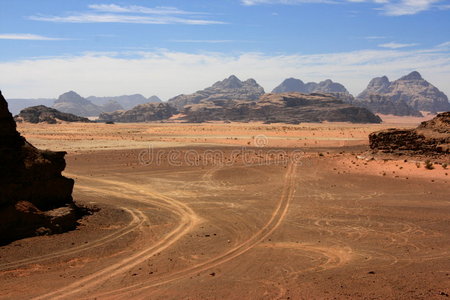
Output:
x=203 y=41
x=374 y=37
x=155 y=72
x=388 y=7
x=112 y=13
x=394 y=45
x=407 y=7
x=27 y=37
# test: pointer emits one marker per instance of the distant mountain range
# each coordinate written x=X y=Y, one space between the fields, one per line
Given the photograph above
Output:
x=71 y=102
x=406 y=96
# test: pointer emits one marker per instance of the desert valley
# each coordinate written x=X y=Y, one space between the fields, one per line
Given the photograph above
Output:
x=230 y=193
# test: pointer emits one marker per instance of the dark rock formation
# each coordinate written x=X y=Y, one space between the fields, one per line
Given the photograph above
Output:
x=34 y=197
x=16 y=105
x=411 y=89
x=280 y=108
x=431 y=137
x=296 y=85
x=44 y=114
x=230 y=88
x=126 y=101
x=141 y=113
x=73 y=103
x=386 y=105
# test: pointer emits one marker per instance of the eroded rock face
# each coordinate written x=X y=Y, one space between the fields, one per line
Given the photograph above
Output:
x=142 y=113
x=412 y=89
x=291 y=108
x=44 y=114
x=31 y=186
x=296 y=85
x=388 y=106
x=430 y=137
x=73 y=103
x=230 y=88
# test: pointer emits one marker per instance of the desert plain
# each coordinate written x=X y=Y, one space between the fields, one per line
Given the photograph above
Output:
x=238 y=211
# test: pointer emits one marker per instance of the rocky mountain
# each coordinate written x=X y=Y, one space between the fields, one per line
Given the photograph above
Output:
x=296 y=85
x=280 y=108
x=412 y=89
x=126 y=101
x=73 y=103
x=16 y=105
x=34 y=197
x=230 y=88
x=430 y=137
x=385 y=105
x=44 y=114
x=110 y=106
x=141 y=113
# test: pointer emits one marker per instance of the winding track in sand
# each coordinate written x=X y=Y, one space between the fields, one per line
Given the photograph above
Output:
x=188 y=220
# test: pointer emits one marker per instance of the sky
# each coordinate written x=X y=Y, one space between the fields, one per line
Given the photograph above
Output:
x=166 y=48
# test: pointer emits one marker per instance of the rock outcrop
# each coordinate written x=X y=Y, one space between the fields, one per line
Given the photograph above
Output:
x=126 y=101
x=34 y=197
x=386 y=105
x=296 y=85
x=73 y=103
x=230 y=88
x=44 y=114
x=291 y=108
x=142 y=113
x=412 y=89
x=430 y=137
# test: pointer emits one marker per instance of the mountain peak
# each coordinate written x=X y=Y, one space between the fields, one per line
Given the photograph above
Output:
x=412 y=76
x=231 y=82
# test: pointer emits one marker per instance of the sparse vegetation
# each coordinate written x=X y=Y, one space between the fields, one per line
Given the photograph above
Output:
x=429 y=165
x=444 y=166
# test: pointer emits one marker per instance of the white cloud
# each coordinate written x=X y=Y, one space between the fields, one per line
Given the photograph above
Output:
x=202 y=41
x=112 y=13
x=168 y=74
x=27 y=36
x=375 y=37
x=394 y=45
x=389 y=7
x=407 y=7
x=113 y=8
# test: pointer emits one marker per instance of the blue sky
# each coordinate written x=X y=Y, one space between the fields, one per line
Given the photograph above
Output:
x=169 y=47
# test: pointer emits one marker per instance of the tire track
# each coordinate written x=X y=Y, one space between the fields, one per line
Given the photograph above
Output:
x=138 y=218
x=276 y=219
x=188 y=220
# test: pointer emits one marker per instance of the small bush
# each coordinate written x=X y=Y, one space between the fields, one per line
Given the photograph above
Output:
x=429 y=165
x=444 y=166
x=418 y=164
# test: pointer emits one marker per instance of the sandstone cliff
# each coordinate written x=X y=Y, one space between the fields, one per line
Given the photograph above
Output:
x=280 y=108
x=34 y=197
x=412 y=89
x=230 y=88
x=430 y=137
x=44 y=114
x=141 y=113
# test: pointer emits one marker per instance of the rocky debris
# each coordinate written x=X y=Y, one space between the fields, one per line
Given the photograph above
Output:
x=430 y=137
x=291 y=108
x=230 y=88
x=386 y=105
x=296 y=85
x=141 y=113
x=73 y=103
x=126 y=101
x=44 y=114
x=34 y=197
x=412 y=89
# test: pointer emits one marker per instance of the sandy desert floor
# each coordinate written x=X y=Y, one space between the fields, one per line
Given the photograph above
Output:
x=237 y=211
